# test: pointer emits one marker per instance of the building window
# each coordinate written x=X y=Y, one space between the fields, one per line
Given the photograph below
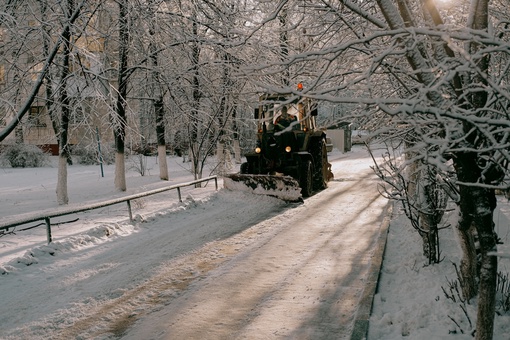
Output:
x=35 y=117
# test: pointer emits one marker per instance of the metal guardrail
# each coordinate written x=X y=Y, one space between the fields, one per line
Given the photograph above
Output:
x=46 y=215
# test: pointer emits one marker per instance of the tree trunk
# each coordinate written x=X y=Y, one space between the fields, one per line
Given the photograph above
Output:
x=160 y=132
x=483 y=200
x=223 y=113
x=237 y=151
x=413 y=55
x=220 y=158
x=64 y=154
x=119 y=121
x=195 y=161
x=488 y=277
x=62 y=194
x=428 y=226
x=193 y=128
x=468 y=272
x=424 y=201
x=48 y=79
x=158 y=100
x=477 y=206
x=237 y=147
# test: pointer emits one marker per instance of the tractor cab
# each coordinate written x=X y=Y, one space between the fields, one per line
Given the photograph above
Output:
x=274 y=107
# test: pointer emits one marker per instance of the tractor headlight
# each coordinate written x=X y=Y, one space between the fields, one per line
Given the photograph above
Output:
x=258 y=149
x=288 y=148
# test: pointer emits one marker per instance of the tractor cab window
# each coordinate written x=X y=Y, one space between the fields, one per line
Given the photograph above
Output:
x=286 y=117
x=265 y=117
x=307 y=113
x=275 y=109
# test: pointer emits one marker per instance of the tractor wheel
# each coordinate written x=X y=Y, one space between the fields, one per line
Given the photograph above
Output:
x=320 y=177
x=306 y=180
x=245 y=168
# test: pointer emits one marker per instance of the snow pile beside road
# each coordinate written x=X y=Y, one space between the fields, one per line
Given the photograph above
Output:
x=46 y=253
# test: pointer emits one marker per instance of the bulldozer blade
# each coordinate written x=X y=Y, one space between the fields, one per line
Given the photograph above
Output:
x=282 y=187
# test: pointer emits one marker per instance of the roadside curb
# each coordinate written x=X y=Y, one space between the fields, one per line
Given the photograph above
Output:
x=361 y=323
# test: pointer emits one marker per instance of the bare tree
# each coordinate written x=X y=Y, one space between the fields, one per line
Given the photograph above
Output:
x=34 y=90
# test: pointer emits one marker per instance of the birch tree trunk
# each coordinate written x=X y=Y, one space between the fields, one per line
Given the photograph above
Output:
x=159 y=109
x=64 y=154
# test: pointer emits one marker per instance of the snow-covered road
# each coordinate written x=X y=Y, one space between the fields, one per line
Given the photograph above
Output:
x=226 y=266
x=301 y=276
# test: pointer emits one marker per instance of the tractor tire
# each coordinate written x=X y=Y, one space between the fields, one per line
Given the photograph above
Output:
x=306 y=178
x=245 y=168
x=320 y=154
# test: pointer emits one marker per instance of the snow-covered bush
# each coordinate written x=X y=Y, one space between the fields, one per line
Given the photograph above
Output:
x=24 y=156
x=89 y=155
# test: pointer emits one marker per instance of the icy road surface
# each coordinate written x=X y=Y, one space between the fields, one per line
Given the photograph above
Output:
x=227 y=266
x=298 y=275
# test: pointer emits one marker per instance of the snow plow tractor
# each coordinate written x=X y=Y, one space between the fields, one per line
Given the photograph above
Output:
x=290 y=159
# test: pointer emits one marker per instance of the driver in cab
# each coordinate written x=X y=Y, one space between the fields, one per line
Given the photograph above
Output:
x=284 y=120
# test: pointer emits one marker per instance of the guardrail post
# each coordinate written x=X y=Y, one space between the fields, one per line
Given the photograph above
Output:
x=48 y=229
x=216 y=182
x=179 y=193
x=129 y=210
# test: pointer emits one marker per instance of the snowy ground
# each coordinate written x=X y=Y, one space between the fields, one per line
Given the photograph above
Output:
x=411 y=304
x=101 y=266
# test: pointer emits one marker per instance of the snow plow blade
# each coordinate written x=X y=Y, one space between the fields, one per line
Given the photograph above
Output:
x=283 y=187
